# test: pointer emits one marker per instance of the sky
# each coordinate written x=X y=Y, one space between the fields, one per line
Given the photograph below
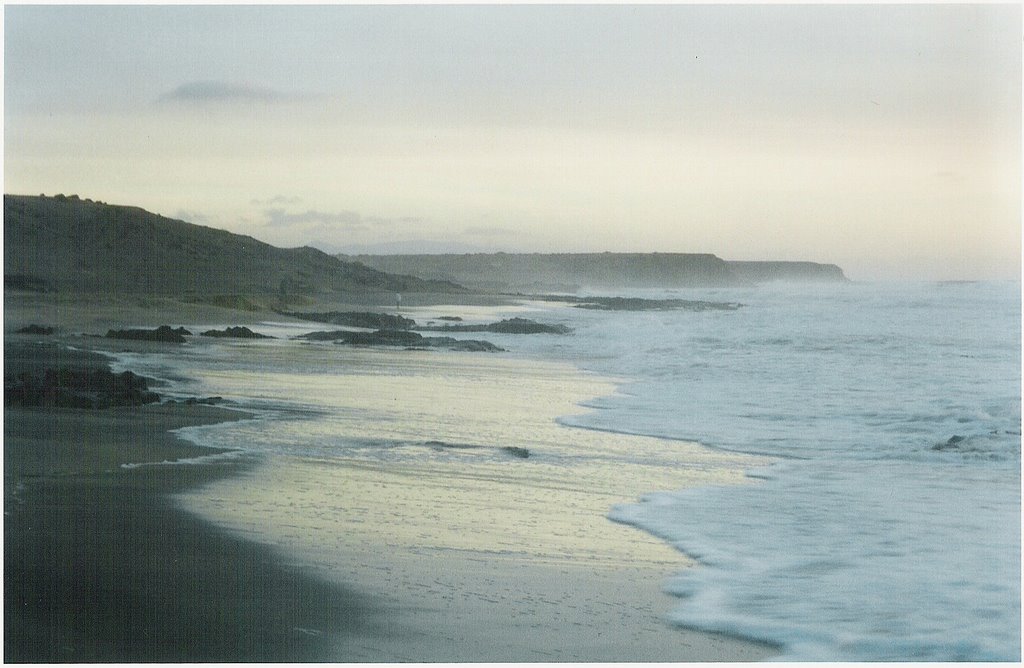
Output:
x=883 y=138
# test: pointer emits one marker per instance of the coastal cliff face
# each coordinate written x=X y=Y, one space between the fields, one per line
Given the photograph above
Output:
x=808 y=272
x=69 y=244
x=573 y=271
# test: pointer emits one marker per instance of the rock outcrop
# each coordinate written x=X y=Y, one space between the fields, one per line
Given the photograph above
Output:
x=364 y=319
x=163 y=333
x=638 y=303
x=235 y=333
x=509 y=326
x=78 y=388
x=401 y=338
x=36 y=329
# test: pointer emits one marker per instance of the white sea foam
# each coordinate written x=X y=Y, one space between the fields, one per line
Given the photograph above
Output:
x=188 y=461
x=890 y=527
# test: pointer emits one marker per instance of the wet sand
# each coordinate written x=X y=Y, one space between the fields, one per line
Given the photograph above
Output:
x=102 y=564
x=99 y=566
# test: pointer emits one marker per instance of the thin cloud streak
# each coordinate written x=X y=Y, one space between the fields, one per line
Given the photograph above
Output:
x=217 y=92
x=344 y=220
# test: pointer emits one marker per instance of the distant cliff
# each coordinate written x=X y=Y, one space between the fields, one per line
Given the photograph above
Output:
x=805 y=272
x=568 y=272
x=74 y=245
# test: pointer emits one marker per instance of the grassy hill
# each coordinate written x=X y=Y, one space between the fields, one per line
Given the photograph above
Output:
x=67 y=244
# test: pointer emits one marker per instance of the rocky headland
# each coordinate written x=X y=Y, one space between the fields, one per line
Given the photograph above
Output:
x=571 y=272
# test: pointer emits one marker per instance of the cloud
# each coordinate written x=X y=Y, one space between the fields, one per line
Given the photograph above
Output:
x=327 y=230
x=332 y=220
x=348 y=220
x=207 y=92
x=277 y=199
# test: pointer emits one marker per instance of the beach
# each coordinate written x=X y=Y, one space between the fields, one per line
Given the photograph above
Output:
x=159 y=562
x=99 y=567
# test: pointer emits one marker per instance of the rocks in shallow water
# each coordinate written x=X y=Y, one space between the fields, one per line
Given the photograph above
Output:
x=509 y=326
x=78 y=388
x=401 y=337
x=36 y=329
x=363 y=319
x=525 y=326
x=952 y=444
x=235 y=333
x=380 y=337
x=514 y=451
x=470 y=345
x=638 y=303
x=206 y=401
x=522 y=453
x=163 y=333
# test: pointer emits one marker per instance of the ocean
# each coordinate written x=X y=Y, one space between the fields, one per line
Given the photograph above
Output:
x=855 y=494
x=888 y=526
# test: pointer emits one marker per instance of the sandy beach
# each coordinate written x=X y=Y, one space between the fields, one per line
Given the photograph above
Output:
x=100 y=567
x=206 y=562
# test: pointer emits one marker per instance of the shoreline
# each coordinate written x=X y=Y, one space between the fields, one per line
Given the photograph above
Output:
x=254 y=604
x=100 y=565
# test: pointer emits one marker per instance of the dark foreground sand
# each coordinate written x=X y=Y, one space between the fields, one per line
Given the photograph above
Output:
x=98 y=566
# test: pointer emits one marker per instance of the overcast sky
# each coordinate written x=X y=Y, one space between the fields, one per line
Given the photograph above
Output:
x=886 y=139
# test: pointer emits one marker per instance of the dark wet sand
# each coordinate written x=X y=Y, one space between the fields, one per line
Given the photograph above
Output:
x=99 y=565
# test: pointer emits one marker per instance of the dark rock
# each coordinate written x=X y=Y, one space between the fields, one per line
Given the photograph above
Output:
x=332 y=335
x=400 y=337
x=524 y=326
x=510 y=326
x=363 y=319
x=36 y=329
x=78 y=388
x=442 y=445
x=638 y=303
x=163 y=333
x=474 y=346
x=952 y=444
x=206 y=401
x=450 y=318
x=522 y=453
x=235 y=333
x=382 y=337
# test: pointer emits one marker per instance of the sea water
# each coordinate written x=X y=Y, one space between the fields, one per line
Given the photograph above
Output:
x=879 y=426
x=888 y=527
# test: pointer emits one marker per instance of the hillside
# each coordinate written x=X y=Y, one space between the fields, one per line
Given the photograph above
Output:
x=72 y=245
x=569 y=272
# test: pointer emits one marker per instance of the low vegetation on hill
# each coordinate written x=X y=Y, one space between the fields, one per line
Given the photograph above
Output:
x=68 y=244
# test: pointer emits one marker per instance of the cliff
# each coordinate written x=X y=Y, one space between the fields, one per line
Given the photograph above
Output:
x=805 y=272
x=72 y=245
x=570 y=272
